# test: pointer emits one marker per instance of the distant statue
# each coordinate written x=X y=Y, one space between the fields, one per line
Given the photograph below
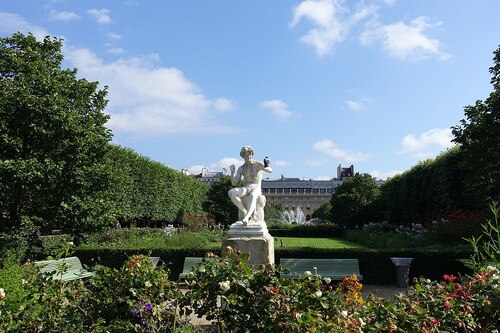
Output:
x=249 y=198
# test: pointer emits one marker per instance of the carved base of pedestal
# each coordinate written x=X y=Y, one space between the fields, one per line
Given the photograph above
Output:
x=253 y=239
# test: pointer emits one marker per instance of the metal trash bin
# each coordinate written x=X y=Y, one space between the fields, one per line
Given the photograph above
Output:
x=402 y=271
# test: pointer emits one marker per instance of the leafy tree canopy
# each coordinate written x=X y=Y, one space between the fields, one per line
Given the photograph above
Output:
x=478 y=134
x=219 y=204
x=351 y=199
x=323 y=212
x=52 y=140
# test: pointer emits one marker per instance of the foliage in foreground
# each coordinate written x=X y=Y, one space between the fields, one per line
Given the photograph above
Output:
x=136 y=298
x=139 y=298
x=242 y=299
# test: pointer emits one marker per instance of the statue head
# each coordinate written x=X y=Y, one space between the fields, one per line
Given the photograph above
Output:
x=246 y=150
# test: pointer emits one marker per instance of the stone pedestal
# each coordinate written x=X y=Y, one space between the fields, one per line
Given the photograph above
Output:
x=253 y=238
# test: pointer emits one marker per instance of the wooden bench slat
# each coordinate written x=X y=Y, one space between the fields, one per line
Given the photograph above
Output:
x=332 y=268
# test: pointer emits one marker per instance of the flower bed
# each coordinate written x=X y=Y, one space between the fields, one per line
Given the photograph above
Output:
x=138 y=297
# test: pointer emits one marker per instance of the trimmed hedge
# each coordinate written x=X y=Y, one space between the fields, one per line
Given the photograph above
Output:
x=374 y=264
x=146 y=192
x=114 y=258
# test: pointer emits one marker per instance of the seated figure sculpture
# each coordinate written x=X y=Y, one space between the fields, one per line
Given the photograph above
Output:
x=249 y=198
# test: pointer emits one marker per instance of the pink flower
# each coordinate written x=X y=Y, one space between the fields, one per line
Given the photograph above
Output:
x=449 y=278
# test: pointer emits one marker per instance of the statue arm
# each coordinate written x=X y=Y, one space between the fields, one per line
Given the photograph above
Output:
x=267 y=169
x=235 y=176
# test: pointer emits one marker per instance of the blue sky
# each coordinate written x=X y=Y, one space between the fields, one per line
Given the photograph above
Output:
x=311 y=84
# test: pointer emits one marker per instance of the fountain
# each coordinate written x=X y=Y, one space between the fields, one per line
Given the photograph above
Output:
x=296 y=217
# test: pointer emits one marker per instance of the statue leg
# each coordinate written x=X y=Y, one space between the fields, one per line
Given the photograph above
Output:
x=251 y=205
x=235 y=195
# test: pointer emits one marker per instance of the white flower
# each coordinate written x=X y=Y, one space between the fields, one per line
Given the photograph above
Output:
x=23 y=281
x=307 y=273
x=2 y=293
x=318 y=293
x=491 y=268
x=315 y=268
x=361 y=322
x=343 y=313
x=71 y=243
x=225 y=285
x=147 y=284
x=327 y=280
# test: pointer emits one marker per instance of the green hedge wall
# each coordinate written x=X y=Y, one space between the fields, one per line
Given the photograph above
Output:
x=428 y=191
x=375 y=265
x=145 y=190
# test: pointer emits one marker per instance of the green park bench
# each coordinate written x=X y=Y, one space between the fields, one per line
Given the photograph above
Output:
x=72 y=268
x=332 y=268
x=189 y=262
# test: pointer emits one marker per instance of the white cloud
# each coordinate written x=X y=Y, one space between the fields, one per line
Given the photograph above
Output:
x=64 y=16
x=406 y=41
x=278 y=108
x=331 y=149
x=146 y=99
x=384 y=175
x=223 y=163
x=100 y=15
x=223 y=104
x=114 y=36
x=10 y=23
x=389 y=2
x=115 y=50
x=332 y=22
x=420 y=146
x=355 y=105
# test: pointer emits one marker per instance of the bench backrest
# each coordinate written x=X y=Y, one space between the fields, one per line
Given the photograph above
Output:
x=73 y=268
x=189 y=262
x=332 y=268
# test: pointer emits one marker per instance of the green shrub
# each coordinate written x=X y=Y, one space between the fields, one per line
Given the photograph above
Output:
x=197 y=222
x=152 y=238
x=245 y=299
x=385 y=240
x=138 y=297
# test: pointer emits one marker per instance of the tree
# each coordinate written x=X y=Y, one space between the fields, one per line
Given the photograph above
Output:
x=478 y=135
x=351 y=199
x=273 y=212
x=323 y=212
x=219 y=204
x=52 y=140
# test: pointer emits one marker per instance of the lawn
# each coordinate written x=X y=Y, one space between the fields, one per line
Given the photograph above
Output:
x=321 y=243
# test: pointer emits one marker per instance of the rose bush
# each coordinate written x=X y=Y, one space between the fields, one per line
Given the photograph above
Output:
x=136 y=298
x=245 y=299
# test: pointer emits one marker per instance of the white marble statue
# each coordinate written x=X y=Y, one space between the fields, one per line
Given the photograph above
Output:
x=249 y=198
